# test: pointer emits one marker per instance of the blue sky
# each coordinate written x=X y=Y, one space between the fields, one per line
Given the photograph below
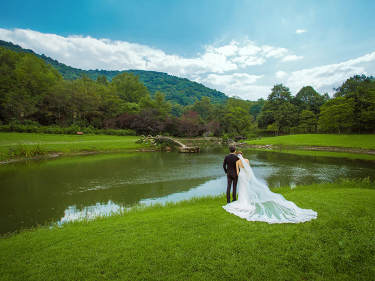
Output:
x=239 y=47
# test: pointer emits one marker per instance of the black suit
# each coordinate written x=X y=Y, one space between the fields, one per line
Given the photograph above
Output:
x=229 y=166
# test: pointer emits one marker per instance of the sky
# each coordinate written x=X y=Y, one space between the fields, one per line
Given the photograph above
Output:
x=240 y=47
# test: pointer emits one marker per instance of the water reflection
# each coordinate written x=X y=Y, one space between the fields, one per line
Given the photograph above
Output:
x=65 y=189
x=72 y=213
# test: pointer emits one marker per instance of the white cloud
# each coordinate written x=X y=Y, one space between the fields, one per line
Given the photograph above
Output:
x=225 y=67
x=300 y=31
x=281 y=74
x=270 y=52
x=237 y=84
x=291 y=58
x=91 y=53
x=325 y=78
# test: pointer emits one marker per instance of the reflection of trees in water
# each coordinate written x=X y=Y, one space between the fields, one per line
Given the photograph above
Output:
x=37 y=194
x=289 y=170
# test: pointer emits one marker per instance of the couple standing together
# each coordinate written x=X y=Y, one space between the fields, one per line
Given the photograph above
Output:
x=255 y=200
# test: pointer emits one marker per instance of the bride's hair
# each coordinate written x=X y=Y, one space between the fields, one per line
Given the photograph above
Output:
x=239 y=152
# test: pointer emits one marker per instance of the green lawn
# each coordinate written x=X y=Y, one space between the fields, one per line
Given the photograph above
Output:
x=315 y=153
x=348 y=141
x=66 y=143
x=198 y=240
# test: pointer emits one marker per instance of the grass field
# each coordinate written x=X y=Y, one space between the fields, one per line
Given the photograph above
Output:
x=347 y=141
x=314 y=153
x=46 y=143
x=198 y=240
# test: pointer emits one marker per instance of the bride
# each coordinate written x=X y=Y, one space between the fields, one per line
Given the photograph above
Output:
x=257 y=203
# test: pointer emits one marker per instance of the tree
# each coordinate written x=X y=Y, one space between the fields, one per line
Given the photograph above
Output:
x=161 y=105
x=308 y=121
x=102 y=79
x=279 y=110
x=286 y=116
x=158 y=104
x=308 y=99
x=203 y=107
x=361 y=90
x=265 y=118
x=279 y=94
x=25 y=81
x=237 y=121
x=177 y=109
x=256 y=107
x=337 y=115
x=190 y=124
x=128 y=87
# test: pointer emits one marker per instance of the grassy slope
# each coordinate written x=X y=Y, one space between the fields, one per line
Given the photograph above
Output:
x=349 y=141
x=67 y=143
x=198 y=240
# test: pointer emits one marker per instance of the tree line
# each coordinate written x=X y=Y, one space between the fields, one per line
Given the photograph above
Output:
x=33 y=91
x=351 y=110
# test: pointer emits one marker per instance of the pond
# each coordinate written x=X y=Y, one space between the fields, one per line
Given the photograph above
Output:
x=70 y=188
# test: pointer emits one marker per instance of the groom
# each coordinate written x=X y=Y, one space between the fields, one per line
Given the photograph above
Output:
x=229 y=166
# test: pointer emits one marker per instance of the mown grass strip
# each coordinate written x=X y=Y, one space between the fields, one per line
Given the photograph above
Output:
x=348 y=141
x=13 y=145
x=315 y=153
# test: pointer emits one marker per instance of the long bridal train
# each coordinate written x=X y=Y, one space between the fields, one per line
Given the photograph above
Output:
x=257 y=203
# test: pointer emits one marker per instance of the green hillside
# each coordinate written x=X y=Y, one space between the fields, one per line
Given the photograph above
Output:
x=176 y=89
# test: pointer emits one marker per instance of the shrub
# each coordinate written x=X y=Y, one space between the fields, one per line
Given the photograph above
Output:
x=33 y=127
x=25 y=151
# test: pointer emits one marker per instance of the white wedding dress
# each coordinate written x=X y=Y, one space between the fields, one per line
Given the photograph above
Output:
x=257 y=203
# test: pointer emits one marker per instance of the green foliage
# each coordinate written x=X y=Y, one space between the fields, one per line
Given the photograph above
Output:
x=359 y=92
x=237 y=121
x=128 y=87
x=72 y=130
x=308 y=99
x=279 y=110
x=156 y=103
x=351 y=110
x=25 y=80
x=308 y=121
x=337 y=115
x=177 y=90
x=25 y=151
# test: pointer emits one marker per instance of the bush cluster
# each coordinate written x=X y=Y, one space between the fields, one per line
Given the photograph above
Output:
x=34 y=127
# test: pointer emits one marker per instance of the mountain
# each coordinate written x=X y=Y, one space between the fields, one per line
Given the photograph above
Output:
x=179 y=90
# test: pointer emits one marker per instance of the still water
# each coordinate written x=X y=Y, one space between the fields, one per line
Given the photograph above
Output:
x=66 y=189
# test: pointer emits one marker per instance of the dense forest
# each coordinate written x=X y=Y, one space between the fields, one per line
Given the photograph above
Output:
x=176 y=89
x=33 y=92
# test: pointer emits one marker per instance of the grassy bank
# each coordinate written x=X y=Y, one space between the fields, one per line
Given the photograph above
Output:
x=322 y=145
x=13 y=145
x=198 y=240
x=314 y=153
x=346 y=141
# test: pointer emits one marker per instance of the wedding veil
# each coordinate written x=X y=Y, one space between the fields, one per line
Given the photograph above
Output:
x=256 y=202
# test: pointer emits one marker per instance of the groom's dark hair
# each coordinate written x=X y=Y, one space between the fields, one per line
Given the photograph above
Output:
x=232 y=148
